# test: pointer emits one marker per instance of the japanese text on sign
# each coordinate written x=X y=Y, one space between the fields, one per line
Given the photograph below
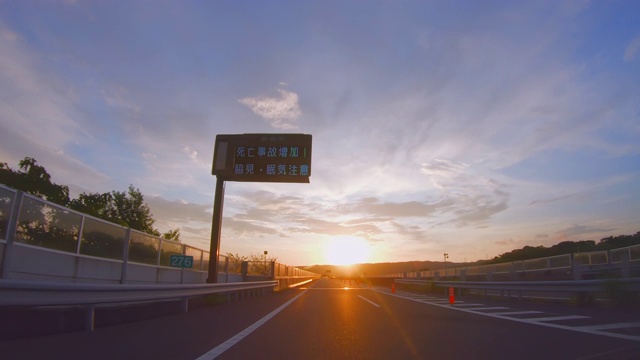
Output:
x=246 y=159
x=263 y=157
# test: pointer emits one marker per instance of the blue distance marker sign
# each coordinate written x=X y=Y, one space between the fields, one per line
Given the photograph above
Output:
x=263 y=158
x=181 y=261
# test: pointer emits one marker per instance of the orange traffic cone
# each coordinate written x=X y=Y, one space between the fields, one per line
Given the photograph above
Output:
x=393 y=288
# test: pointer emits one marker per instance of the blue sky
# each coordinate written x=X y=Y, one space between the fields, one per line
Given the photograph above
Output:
x=464 y=127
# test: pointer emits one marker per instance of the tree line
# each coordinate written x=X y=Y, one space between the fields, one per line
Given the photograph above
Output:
x=126 y=208
x=566 y=247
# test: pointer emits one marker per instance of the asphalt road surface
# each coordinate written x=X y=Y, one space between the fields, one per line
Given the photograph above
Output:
x=331 y=319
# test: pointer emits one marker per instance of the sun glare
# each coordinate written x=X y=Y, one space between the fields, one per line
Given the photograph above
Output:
x=347 y=250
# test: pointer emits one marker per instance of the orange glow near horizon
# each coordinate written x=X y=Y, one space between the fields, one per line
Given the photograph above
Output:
x=347 y=250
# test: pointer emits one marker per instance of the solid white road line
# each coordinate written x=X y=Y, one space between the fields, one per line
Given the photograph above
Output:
x=369 y=301
x=215 y=352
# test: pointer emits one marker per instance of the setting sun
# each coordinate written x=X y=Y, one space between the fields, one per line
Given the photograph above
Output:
x=347 y=250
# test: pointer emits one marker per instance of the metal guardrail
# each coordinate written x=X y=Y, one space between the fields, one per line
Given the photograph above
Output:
x=629 y=284
x=613 y=258
x=619 y=291
x=34 y=294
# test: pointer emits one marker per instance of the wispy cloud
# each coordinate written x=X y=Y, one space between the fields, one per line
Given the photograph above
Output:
x=281 y=113
x=472 y=198
x=120 y=97
x=553 y=199
x=8 y=35
x=632 y=50
x=576 y=232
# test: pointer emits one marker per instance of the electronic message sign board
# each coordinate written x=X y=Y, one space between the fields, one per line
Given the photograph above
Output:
x=263 y=157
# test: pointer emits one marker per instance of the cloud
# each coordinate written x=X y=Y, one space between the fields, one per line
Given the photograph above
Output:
x=552 y=200
x=509 y=242
x=472 y=198
x=632 y=49
x=576 y=231
x=309 y=225
x=279 y=112
x=191 y=153
x=178 y=211
x=371 y=218
x=8 y=35
x=40 y=117
x=263 y=213
x=399 y=209
x=247 y=228
x=412 y=232
x=120 y=97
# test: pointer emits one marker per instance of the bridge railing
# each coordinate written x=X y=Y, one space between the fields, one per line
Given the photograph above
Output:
x=569 y=266
x=286 y=276
x=620 y=291
x=41 y=240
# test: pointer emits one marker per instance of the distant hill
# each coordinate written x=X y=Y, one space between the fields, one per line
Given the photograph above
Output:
x=527 y=252
x=377 y=269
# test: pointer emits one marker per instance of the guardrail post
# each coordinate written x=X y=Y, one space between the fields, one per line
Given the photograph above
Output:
x=185 y=305
x=273 y=270
x=576 y=268
x=625 y=263
x=90 y=318
x=244 y=270
x=226 y=269
x=184 y=253
x=125 y=256
x=12 y=226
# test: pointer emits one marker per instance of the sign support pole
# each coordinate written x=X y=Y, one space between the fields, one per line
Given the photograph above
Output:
x=216 y=225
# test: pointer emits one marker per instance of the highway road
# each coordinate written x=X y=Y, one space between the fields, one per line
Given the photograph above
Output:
x=331 y=319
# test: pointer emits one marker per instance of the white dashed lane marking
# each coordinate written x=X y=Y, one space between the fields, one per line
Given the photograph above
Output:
x=518 y=313
x=559 y=318
x=547 y=321
x=611 y=326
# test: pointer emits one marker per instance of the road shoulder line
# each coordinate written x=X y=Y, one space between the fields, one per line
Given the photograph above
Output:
x=215 y=352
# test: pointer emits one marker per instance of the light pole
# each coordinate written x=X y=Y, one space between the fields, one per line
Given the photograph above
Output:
x=446 y=256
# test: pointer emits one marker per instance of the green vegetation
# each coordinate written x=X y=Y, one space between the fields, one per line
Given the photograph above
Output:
x=126 y=208
x=566 y=247
x=260 y=264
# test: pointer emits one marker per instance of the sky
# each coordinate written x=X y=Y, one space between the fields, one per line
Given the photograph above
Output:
x=470 y=128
